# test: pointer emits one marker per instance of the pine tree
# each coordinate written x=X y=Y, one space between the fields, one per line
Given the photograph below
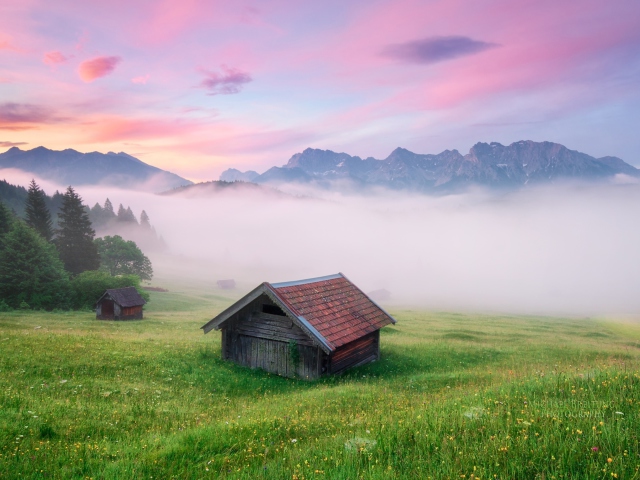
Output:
x=126 y=215
x=131 y=217
x=97 y=208
x=6 y=222
x=108 y=209
x=6 y=219
x=144 y=220
x=122 y=213
x=31 y=271
x=98 y=217
x=75 y=236
x=37 y=213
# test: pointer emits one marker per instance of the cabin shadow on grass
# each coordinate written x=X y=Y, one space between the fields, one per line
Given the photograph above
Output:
x=426 y=367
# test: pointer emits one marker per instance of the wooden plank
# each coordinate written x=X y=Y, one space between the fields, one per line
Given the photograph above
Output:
x=273 y=336
x=355 y=353
x=268 y=317
x=363 y=361
x=349 y=349
x=257 y=327
x=283 y=323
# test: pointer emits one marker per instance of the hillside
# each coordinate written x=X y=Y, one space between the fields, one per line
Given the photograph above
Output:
x=15 y=197
x=104 y=220
x=70 y=167
x=206 y=189
x=492 y=165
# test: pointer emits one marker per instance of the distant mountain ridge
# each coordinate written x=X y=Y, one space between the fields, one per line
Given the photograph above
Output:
x=70 y=167
x=487 y=164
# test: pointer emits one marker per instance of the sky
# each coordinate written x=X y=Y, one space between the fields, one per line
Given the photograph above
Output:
x=198 y=86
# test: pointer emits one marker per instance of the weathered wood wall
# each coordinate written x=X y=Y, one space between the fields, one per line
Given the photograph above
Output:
x=119 y=313
x=257 y=339
x=363 y=350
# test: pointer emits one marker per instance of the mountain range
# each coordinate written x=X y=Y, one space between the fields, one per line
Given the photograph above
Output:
x=487 y=164
x=70 y=167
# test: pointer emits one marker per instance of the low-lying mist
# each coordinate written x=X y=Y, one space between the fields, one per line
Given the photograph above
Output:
x=562 y=249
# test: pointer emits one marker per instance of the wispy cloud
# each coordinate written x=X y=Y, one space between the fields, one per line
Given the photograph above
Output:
x=436 y=49
x=54 y=58
x=114 y=128
x=141 y=80
x=23 y=116
x=98 y=67
x=7 y=45
x=226 y=83
x=11 y=144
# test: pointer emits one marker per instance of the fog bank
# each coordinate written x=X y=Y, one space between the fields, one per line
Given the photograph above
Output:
x=564 y=249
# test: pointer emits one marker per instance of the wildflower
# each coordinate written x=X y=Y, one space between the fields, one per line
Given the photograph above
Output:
x=594 y=449
x=294 y=440
x=609 y=460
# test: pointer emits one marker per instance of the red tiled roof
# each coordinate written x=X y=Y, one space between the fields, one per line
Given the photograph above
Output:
x=334 y=306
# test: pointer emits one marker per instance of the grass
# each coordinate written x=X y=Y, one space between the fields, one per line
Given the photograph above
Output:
x=454 y=396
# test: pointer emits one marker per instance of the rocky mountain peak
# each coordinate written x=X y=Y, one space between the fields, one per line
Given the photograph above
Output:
x=490 y=164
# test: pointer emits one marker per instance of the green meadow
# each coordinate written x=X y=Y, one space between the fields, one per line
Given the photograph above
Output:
x=453 y=396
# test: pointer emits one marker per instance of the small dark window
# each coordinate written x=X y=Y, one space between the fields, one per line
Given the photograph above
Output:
x=273 y=310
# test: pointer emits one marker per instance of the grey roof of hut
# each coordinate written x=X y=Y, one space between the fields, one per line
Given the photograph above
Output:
x=125 y=297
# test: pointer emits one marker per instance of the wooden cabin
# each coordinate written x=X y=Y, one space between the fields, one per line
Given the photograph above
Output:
x=228 y=284
x=120 y=304
x=307 y=328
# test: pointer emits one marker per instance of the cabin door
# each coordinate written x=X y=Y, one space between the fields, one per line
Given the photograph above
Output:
x=107 y=308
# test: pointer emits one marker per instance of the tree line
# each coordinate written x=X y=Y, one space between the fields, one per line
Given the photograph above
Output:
x=66 y=267
x=105 y=219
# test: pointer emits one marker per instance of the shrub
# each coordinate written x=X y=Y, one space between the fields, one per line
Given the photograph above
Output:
x=90 y=285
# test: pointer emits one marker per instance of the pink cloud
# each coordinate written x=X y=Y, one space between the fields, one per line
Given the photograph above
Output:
x=6 y=45
x=98 y=67
x=11 y=144
x=53 y=58
x=230 y=82
x=141 y=80
x=82 y=40
x=111 y=129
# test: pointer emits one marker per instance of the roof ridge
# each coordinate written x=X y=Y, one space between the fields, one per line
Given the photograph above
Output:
x=306 y=280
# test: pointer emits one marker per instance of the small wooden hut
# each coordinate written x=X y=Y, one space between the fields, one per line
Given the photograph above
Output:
x=228 y=284
x=307 y=328
x=120 y=304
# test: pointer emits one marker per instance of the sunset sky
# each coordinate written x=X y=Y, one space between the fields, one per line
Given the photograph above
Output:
x=197 y=86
